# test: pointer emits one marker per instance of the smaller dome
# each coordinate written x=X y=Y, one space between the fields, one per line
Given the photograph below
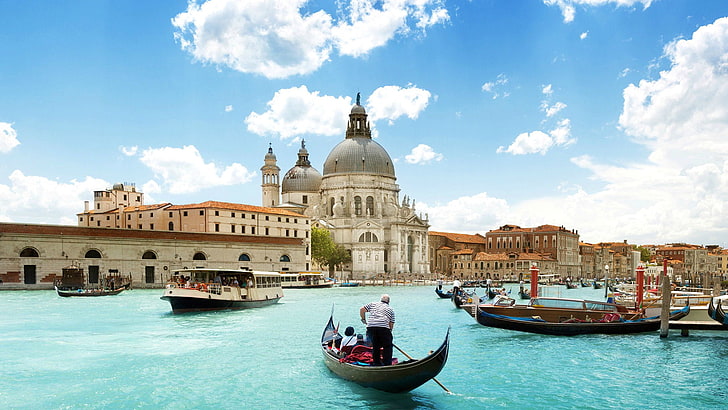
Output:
x=270 y=155
x=301 y=179
x=358 y=109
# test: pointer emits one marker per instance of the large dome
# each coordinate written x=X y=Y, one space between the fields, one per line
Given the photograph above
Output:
x=359 y=155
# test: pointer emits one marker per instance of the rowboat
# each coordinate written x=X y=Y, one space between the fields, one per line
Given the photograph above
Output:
x=444 y=295
x=396 y=378
x=194 y=290
x=611 y=323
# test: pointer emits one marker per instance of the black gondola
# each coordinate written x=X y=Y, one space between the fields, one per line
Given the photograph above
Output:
x=444 y=295
x=89 y=292
x=397 y=378
x=463 y=297
x=572 y=328
x=597 y=285
x=717 y=313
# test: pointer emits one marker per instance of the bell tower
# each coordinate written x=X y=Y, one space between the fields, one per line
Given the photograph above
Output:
x=270 y=180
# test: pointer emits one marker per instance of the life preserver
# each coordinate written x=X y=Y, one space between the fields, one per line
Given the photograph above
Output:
x=203 y=287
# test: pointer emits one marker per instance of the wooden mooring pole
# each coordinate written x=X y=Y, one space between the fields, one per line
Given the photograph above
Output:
x=666 y=296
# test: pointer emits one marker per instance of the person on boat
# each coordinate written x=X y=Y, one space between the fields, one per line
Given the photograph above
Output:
x=456 y=287
x=379 y=329
x=349 y=340
x=439 y=283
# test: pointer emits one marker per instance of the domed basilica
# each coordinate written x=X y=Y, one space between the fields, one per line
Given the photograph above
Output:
x=357 y=200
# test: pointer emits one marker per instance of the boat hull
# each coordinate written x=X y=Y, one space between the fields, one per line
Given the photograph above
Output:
x=444 y=295
x=88 y=292
x=184 y=304
x=525 y=324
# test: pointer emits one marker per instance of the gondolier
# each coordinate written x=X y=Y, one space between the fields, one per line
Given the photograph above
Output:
x=379 y=327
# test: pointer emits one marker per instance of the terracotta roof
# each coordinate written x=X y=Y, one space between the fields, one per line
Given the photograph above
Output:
x=141 y=208
x=460 y=237
x=237 y=207
x=463 y=252
x=540 y=228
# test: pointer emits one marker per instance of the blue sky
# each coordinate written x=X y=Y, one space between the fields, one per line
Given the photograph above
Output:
x=605 y=116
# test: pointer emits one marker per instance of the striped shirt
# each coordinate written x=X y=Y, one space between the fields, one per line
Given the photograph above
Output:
x=380 y=314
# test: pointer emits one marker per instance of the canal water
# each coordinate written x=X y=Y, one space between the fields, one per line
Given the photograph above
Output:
x=129 y=351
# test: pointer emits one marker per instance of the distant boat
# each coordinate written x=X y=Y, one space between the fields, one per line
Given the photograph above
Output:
x=305 y=280
x=349 y=284
x=88 y=292
x=444 y=295
x=610 y=323
x=559 y=309
x=717 y=313
x=221 y=289
x=396 y=378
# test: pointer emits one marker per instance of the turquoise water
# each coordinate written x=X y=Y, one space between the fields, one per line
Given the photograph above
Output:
x=129 y=351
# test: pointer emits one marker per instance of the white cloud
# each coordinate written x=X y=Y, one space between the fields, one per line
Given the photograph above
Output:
x=468 y=214
x=274 y=38
x=583 y=35
x=228 y=108
x=422 y=154
x=568 y=9
x=296 y=111
x=8 y=137
x=494 y=87
x=293 y=112
x=547 y=89
x=536 y=142
x=129 y=151
x=183 y=170
x=552 y=110
x=391 y=102
x=41 y=200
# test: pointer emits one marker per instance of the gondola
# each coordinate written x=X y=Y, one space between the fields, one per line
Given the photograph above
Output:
x=463 y=297
x=611 y=325
x=444 y=295
x=397 y=378
x=570 y=285
x=716 y=312
x=524 y=294
x=89 y=292
x=597 y=285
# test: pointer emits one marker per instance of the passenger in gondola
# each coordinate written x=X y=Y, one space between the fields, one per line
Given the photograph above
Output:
x=349 y=340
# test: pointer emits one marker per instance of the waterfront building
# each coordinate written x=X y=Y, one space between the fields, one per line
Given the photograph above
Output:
x=357 y=199
x=32 y=256
x=443 y=246
x=559 y=243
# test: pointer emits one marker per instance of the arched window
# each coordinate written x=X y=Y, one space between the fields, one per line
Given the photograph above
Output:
x=199 y=256
x=368 y=237
x=370 y=206
x=244 y=257
x=357 y=205
x=331 y=206
x=29 y=253
x=171 y=226
x=149 y=255
x=285 y=258
x=93 y=253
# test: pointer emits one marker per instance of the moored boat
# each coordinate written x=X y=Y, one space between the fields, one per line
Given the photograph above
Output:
x=193 y=290
x=74 y=283
x=717 y=313
x=559 y=309
x=610 y=323
x=89 y=292
x=305 y=280
x=396 y=378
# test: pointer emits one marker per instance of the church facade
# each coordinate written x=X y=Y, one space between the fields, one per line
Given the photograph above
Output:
x=357 y=199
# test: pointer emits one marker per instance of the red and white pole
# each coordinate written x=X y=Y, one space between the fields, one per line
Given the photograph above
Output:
x=534 y=281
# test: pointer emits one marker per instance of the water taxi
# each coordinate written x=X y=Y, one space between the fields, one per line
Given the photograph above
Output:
x=305 y=280
x=193 y=290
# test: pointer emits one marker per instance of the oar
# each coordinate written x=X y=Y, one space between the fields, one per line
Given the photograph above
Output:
x=410 y=357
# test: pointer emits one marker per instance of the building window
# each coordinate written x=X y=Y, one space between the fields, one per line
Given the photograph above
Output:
x=149 y=255
x=266 y=231
x=242 y=229
x=29 y=253
x=357 y=205
x=171 y=214
x=267 y=218
x=171 y=226
x=252 y=230
x=202 y=212
x=199 y=256
x=151 y=226
x=232 y=214
x=370 y=206
x=244 y=257
x=304 y=199
x=184 y=213
x=285 y=258
x=217 y=227
x=287 y=232
x=217 y=213
x=232 y=228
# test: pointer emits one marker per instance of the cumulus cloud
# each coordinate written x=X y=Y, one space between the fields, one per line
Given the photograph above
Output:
x=552 y=109
x=494 y=87
x=293 y=112
x=583 y=35
x=183 y=170
x=391 y=102
x=279 y=38
x=467 y=214
x=422 y=154
x=547 y=89
x=536 y=142
x=228 y=108
x=296 y=111
x=8 y=137
x=568 y=7
x=37 y=199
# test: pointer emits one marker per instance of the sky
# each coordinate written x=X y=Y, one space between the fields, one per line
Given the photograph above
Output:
x=608 y=117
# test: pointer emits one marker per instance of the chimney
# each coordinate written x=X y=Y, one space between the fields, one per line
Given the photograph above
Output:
x=85 y=207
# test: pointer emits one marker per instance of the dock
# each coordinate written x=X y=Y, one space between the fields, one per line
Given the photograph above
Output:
x=686 y=326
